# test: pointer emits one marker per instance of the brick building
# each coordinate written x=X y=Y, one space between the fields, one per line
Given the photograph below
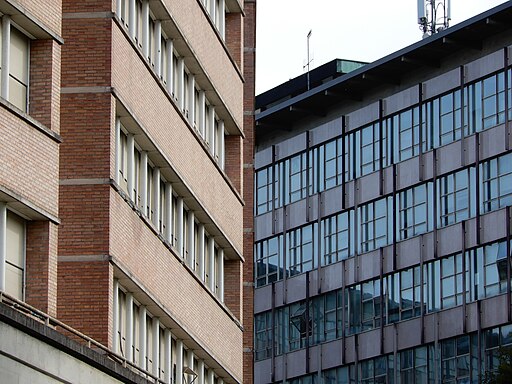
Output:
x=383 y=214
x=126 y=125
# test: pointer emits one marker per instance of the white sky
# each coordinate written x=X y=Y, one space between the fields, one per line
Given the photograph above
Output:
x=361 y=30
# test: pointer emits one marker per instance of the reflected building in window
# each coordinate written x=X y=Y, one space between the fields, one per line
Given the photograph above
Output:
x=383 y=215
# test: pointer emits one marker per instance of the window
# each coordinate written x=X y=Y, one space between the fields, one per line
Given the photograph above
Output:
x=122 y=11
x=494 y=340
x=269 y=261
x=19 y=69
x=341 y=375
x=263 y=337
x=509 y=88
x=333 y=315
x=325 y=164
x=491 y=261
x=362 y=307
x=456 y=362
x=443 y=120
x=497 y=183
x=452 y=287
x=338 y=237
x=375 y=371
x=15 y=256
x=294 y=176
x=415 y=211
x=416 y=366
x=299 y=325
x=264 y=190
x=486 y=102
x=18 y=49
x=300 y=249
x=403 y=294
x=123 y=166
x=456 y=200
x=406 y=136
x=363 y=153
x=375 y=224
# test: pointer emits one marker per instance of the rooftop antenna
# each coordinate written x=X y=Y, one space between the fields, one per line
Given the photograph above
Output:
x=433 y=16
x=309 y=60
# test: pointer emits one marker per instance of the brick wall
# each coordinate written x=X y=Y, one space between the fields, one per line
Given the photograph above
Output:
x=86 y=130
x=86 y=54
x=41 y=266
x=210 y=52
x=49 y=15
x=164 y=124
x=233 y=160
x=44 y=103
x=135 y=248
x=30 y=162
x=234 y=40
x=85 y=297
x=233 y=287
x=248 y=176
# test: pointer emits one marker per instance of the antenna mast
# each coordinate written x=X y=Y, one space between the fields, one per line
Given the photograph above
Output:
x=433 y=16
x=309 y=60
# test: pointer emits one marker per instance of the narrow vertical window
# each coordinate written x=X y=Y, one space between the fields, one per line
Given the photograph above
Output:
x=18 y=71
x=15 y=256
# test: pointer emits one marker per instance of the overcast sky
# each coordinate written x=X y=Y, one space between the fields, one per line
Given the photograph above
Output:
x=361 y=30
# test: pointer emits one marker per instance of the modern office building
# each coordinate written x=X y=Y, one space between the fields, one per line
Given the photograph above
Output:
x=121 y=186
x=383 y=212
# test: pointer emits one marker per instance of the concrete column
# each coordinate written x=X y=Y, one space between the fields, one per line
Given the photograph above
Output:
x=192 y=100
x=211 y=265
x=179 y=225
x=170 y=66
x=142 y=337
x=156 y=198
x=179 y=362
x=190 y=240
x=220 y=138
x=168 y=357
x=144 y=183
x=200 y=251
x=115 y=317
x=201 y=106
x=6 y=55
x=222 y=19
x=156 y=346
x=132 y=27
x=220 y=267
x=130 y=166
x=145 y=28
x=181 y=83
x=168 y=212
x=158 y=47
x=200 y=372
x=211 y=120
x=118 y=151
x=129 y=327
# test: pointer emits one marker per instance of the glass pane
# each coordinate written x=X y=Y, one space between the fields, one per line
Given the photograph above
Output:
x=18 y=94
x=19 y=56
x=14 y=281
x=15 y=237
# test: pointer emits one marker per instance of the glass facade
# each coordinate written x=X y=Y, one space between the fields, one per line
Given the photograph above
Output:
x=409 y=191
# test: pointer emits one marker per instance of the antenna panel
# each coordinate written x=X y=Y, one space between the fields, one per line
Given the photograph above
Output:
x=421 y=10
